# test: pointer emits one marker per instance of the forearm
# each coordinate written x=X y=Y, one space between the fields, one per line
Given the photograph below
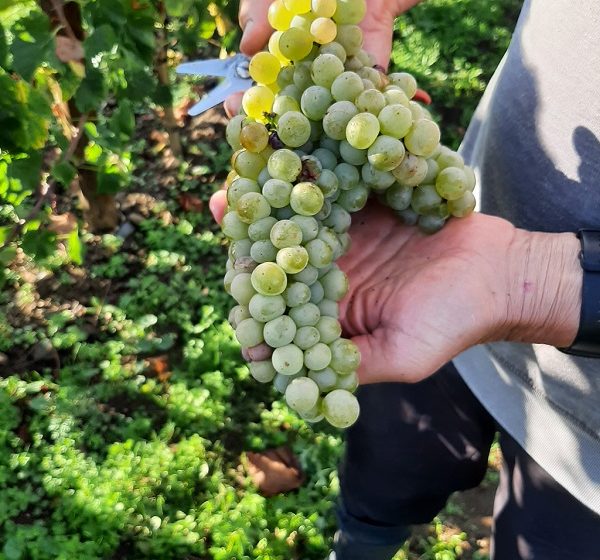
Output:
x=544 y=288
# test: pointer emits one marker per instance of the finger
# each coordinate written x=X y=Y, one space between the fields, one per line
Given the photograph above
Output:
x=233 y=104
x=422 y=96
x=255 y=25
x=377 y=37
x=375 y=363
x=218 y=205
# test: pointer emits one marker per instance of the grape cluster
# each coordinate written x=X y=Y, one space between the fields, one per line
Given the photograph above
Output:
x=322 y=130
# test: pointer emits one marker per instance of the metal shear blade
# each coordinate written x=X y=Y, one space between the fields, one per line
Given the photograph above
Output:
x=233 y=69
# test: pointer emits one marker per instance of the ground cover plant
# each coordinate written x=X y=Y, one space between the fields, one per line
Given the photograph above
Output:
x=130 y=423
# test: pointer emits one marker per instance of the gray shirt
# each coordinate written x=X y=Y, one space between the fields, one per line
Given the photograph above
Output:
x=535 y=144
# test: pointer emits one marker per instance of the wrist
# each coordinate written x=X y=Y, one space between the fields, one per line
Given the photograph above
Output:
x=544 y=282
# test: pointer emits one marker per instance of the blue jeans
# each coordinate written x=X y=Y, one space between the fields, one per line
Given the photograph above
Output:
x=414 y=445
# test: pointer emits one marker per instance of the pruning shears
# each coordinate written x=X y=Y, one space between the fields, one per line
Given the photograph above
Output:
x=234 y=70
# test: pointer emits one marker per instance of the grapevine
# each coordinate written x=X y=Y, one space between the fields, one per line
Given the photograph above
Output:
x=322 y=130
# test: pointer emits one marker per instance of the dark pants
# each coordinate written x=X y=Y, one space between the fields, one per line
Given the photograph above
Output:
x=414 y=445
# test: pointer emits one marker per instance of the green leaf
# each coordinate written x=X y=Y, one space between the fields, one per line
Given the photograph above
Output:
x=123 y=119
x=109 y=183
x=7 y=255
x=92 y=92
x=39 y=244
x=102 y=39
x=75 y=247
x=23 y=177
x=178 y=8
x=13 y=549
x=3 y=48
x=33 y=44
x=64 y=173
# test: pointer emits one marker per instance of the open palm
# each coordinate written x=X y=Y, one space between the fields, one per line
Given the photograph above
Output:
x=415 y=300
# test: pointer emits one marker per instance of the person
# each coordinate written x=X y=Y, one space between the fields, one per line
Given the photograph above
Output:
x=460 y=332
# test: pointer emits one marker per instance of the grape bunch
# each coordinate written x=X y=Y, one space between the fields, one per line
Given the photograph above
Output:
x=322 y=130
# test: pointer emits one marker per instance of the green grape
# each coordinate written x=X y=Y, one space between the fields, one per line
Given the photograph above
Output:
x=412 y=171
x=378 y=180
x=326 y=379
x=283 y=61
x=324 y=8
x=279 y=332
x=398 y=197
x=319 y=253
x=261 y=229
x=325 y=210
x=470 y=178
x=297 y=6
x=306 y=337
x=328 y=183
x=241 y=288
x=302 y=394
x=404 y=81
x=302 y=22
x=228 y=279
x=345 y=356
x=286 y=233
x=329 y=308
x=316 y=293
x=308 y=225
x=234 y=130
x=449 y=158
x=284 y=165
x=451 y=183
x=339 y=219
x=252 y=207
x=318 y=357
x=432 y=172
x=249 y=333
x=337 y=118
x=292 y=91
x=240 y=187
x=302 y=76
x=257 y=101
x=347 y=382
x=396 y=96
x=330 y=144
x=335 y=285
x=431 y=224
x=306 y=199
x=329 y=328
x=269 y=279
x=293 y=129
x=263 y=372
x=264 y=68
x=263 y=176
x=416 y=111
x=425 y=199
x=354 y=199
x=352 y=155
x=237 y=314
x=292 y=259
x=327 y=159
x=325 y=69
x=263 y=251
x=324 y=30
x=408 y=217
x=395 y=120
x=296 y=293
x=247 y=164
x=351 y=38
x=239 y=249
x=277 y=192
x=350 y=11
x=266 y=308
x=306 y=315
x=371 y=100
x=233 y=227
x=462 y=206
x=308 y=276
x=281 y=382
x=335 y=49
x=362 y=130
x=315 y=101
x=423 y=138
x=386 y=153
x=340 y=408
x=346 y=87
x=295 y=43
x=328 y=235
x=348 y=176
x=279 y=16
x=288 y=360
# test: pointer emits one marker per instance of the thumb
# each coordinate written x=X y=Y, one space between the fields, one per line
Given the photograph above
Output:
x=377 y=37
x=377 y=362
x=255 y=25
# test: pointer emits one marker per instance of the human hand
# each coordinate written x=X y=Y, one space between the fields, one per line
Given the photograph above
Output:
x=416 y=301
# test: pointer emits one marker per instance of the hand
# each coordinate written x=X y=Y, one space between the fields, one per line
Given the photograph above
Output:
x=416 y=301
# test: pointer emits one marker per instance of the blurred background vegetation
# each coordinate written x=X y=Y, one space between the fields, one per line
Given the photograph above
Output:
x=128 y=418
